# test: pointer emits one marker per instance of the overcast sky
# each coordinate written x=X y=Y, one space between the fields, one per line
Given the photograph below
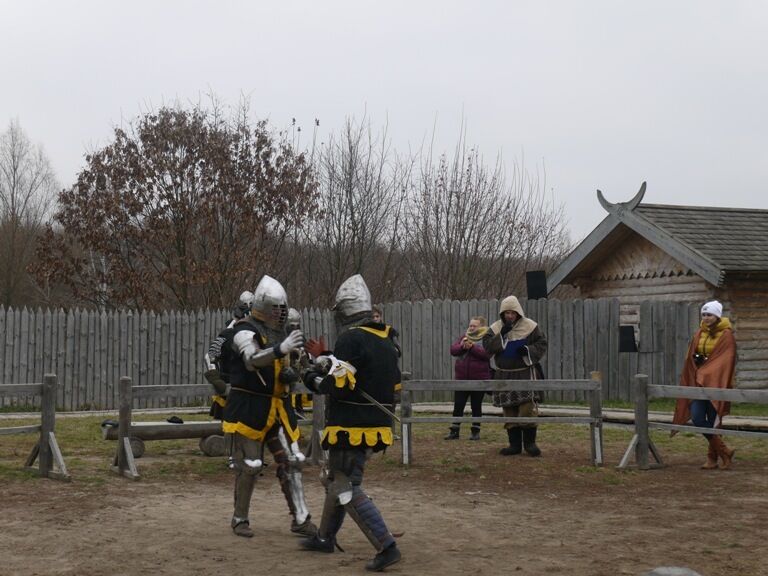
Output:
x=604 y=94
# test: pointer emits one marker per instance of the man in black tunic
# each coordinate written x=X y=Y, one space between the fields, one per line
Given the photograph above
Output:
x=362 y=372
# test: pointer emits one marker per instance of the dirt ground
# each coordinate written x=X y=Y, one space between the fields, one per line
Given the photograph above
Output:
x=463 y=510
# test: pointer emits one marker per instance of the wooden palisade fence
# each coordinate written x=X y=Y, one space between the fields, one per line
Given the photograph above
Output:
x=91 y=350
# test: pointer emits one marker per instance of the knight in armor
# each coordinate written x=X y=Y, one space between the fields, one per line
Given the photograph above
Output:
x=359 y=379
x=258 y=411
x=214 y=371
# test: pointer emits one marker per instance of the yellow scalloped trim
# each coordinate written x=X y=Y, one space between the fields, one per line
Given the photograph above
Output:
x=219 y=400
x=398 y=386
x=356 y=435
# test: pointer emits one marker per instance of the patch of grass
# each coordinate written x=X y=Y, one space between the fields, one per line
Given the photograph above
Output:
x=9 y=471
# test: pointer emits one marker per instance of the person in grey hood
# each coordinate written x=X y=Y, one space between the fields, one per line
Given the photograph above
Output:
x=516 y=345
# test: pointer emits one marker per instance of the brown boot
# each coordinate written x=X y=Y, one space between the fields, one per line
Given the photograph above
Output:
x=726 y=455
x=711 y=463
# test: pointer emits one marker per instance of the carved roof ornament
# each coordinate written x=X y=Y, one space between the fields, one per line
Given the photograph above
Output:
x=620 y=207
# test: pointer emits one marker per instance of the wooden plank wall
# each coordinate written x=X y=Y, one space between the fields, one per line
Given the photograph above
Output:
x=91 y=350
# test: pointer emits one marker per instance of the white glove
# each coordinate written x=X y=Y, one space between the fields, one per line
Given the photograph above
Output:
x=294 y=341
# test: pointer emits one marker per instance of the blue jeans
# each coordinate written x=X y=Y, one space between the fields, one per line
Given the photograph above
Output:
x=703 y=414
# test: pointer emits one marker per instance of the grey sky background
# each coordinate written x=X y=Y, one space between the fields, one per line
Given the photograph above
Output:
x=604 y=94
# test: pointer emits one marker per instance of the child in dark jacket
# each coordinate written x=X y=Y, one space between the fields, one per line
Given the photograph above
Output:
x=471 y=364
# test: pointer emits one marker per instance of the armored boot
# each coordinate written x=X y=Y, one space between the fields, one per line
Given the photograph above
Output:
x=711 y=463
x=317 y=544
x=529 y=441
x=387 y=557
x=324 y=538
x=515 y=436
x=241 y=527
x=453 y=433
x=304 y=529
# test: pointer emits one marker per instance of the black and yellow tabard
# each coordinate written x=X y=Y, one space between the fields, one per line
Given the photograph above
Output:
x=258 y=399
x=367 y=360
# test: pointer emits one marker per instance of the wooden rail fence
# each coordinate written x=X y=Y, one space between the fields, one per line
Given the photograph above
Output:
x=591 y=387
x=131 y=436
x=641 y=445
x=46 y=450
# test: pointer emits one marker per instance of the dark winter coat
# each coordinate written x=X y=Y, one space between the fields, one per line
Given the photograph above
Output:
x=471 y=364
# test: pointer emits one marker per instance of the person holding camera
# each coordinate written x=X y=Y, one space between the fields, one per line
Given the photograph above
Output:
x=709 y=363
x=471 y=364
x=516 y=345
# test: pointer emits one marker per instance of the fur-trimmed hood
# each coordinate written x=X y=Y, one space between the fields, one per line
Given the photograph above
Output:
x=522 y=328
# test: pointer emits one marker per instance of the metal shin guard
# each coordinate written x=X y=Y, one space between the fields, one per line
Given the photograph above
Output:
x=244 y=483
x=332 y=519
x=247 y=462
x=367 y=516
x=295 y=492
x=289 y=462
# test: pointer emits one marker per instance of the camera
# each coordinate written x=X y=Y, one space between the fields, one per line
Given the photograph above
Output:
x=699 y=359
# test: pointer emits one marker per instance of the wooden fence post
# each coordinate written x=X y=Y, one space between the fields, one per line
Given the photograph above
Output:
x=47 y=423
x=406 y=411
x=596 y=427
x=124 y=460
x=641 y=421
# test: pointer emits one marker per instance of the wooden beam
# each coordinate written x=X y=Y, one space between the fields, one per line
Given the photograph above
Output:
x=20 y=430
x=501 y=419
x=500 y=385
x=717 y=431
x=584 y=249
x=696 y=393
x=21 y=389
x=165 y=430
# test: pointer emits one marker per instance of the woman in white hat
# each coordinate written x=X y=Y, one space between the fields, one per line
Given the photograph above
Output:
x=710 y=363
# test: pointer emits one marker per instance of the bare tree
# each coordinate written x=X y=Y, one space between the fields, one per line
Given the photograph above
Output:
x=27 y=193
x=472 y=234
x=363 y=185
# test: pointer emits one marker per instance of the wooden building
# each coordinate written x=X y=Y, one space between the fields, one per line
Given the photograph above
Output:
x=643 y=252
